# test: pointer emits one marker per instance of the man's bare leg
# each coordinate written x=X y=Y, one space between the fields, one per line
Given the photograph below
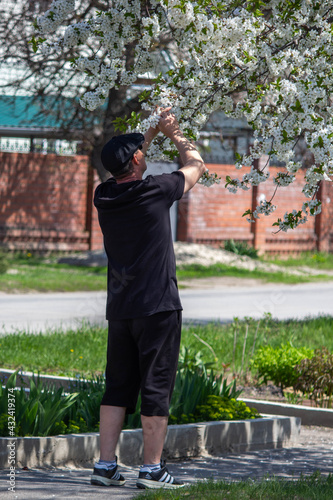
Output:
x=154 y=431
x=111 y=423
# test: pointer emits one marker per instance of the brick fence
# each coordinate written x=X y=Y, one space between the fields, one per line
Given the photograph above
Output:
x=46 y=205
x=213 y=215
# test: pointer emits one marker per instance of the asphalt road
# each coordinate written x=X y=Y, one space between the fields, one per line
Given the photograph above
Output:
x=38 y=312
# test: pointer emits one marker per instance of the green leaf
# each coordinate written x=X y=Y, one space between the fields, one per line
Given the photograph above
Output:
x=298 y=108
x=248 y=212
x=35 y=43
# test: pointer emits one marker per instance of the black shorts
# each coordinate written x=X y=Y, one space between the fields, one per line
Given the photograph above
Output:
x=143 y=355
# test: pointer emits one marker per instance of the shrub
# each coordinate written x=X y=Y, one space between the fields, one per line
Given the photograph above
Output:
x=240 y=248
x=278 y=364
x=220 y=408
x=315 y=377
x=192 y=388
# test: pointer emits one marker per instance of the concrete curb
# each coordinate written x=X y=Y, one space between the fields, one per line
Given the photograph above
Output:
x=308 y=415
x=190 y=440
x=23 y=379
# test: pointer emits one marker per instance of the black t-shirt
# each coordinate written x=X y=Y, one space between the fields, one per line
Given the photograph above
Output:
x=135 y=221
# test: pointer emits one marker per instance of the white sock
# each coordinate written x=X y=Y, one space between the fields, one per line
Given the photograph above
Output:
x=150 y=467
x=105 y=464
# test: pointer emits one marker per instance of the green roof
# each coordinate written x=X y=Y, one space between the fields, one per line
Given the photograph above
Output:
x=43 y=113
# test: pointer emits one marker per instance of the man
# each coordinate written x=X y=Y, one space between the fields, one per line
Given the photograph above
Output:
x=143 y=305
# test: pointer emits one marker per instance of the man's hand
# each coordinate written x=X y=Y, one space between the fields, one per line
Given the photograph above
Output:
x=168 y=123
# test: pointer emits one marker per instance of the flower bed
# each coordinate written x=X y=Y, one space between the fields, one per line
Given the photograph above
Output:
x=44 y=410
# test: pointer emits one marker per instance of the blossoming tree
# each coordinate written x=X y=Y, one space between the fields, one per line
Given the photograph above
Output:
x=270 y=62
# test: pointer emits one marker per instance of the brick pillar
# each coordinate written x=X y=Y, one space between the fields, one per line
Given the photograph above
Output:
x=96 y=236
x=183 y=218
x=258 y=228
x=90 y=187
x=322 y=221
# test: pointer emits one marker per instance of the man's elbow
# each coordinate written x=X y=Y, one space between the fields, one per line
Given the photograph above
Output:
x=203 y=169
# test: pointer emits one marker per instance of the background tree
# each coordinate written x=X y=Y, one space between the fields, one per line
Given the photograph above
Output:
x=55 y=85
x=268 y=62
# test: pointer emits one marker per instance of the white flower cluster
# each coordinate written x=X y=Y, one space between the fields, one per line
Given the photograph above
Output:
x=274 y=69
x=143 y=125
x=314 y=207
x=55 y=16
x=235 y=184
x=291 y=220
x=283 y=179
x=208 y=179
x=313 y=176
x=265 y=208
x=77 y=34
x=255 y=177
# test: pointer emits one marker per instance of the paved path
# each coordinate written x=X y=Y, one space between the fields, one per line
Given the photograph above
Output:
x=314 y=451
x=214 y=301
x=282 y=301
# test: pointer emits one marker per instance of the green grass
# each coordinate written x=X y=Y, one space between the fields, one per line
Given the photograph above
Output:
x=84 y=351
x=199 y=271
x=313 y=487
x=317 y=260
x=73 y=352
x=43 y=275
x=32 y=273
x=312 y=333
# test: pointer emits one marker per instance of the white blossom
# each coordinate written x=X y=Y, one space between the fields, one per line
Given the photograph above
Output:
x=274 y=70
x=265 y=208
x=314 y=207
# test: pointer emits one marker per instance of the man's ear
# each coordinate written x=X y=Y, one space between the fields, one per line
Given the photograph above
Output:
x=135 y=160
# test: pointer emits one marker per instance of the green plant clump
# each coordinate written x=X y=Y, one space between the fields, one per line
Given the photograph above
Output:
x=47 y=411
x=192 y=389
x=315 y=377
x=37 y=412
x=240 y=248
x=278 y=364
x=219 y=408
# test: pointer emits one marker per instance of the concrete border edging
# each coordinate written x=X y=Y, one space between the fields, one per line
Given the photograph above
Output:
x=182 y=441
x=23 y=379
x=308 y=414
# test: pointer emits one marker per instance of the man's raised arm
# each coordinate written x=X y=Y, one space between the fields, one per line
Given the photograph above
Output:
x=193 y=164
x=149 y=136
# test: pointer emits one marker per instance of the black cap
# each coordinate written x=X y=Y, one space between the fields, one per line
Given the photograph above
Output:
x=119 y=150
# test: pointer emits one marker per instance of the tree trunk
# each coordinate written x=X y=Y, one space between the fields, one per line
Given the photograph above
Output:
x=118 y=105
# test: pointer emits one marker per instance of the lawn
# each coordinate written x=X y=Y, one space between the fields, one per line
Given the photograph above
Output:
x=84 y=351
x=315 y=260
x=313 y=487
x=27 y=273
x=215 y=270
